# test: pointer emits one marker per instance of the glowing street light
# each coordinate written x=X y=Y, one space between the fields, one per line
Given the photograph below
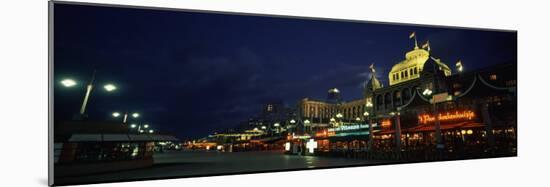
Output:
x=276 y=124
x=133 y=126
x=307 y=121
x=365 y=114
x=427 y=92
x=109 y=87
x=116 y=114
x=141 y=131
x=89 y=88
x=332 y=120
x=151 y=131
x=339 y=115
x=146 y=126
x=369 y=104
x=68 y=82
x=264 y=127
x=292 y=121
x=135 y=115
x=357 y=119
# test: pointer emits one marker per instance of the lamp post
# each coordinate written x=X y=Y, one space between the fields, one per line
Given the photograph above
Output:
x=292 y=124
x=306 y=124
x=124 y=117
x=339 y=116
x=438 y=138
x=89 y=89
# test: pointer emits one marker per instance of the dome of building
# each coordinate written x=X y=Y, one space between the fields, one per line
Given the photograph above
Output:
x=409 y=68
x=373 y=83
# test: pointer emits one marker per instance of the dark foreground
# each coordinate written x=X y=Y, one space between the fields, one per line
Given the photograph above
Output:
x=186 y=164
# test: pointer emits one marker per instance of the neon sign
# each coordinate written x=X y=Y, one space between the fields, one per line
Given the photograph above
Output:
x=449 y=116
x=348 y=128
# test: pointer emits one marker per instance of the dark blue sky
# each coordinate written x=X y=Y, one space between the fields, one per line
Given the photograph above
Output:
x=196 y=73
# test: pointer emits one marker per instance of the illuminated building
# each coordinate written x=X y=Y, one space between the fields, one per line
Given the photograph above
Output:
x=475 y=108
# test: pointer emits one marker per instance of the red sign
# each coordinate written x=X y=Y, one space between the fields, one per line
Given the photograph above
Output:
x=449 y=116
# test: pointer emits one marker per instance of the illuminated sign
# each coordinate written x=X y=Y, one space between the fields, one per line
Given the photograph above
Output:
x=301 y=136
x=311 y=145
x=352 y=133
x=349 y=128
x=449 y=116
x=287 y=146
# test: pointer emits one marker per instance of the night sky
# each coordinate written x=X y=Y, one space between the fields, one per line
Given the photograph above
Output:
x=192 y=74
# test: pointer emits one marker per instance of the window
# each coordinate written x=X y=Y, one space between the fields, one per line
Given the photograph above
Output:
x=415 y=70
x=402 y=75
x=411 y=71
x=493 y=77
x=406 y=73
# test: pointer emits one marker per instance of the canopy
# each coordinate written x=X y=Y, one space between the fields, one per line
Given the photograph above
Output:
x=103 y=137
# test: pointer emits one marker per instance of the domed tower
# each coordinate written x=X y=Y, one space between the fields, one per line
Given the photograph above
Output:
x=413 y=65
x=369 y=87
x=334 y=96
x=372 y=84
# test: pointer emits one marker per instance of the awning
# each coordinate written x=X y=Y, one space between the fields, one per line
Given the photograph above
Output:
x=115 y=137
x=139 y=137
x=160 y=137
x=120 y=137
x=462 y=125
x=267 y=140
x=427 y=128
x=86 y=138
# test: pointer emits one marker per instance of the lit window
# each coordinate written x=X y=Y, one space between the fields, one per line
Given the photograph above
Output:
x=493 y=77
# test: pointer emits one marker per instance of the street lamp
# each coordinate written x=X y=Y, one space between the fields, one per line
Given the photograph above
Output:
x=116 y=114
x=146 y=126
x=135 y=115
x=427 y=92
x=151 y=131
x=109 y=87
x=68 y=82
x=89 y=88
x=133 y=126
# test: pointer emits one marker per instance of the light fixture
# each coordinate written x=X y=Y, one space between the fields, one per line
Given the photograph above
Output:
x=109 y=87
x=68 y=82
